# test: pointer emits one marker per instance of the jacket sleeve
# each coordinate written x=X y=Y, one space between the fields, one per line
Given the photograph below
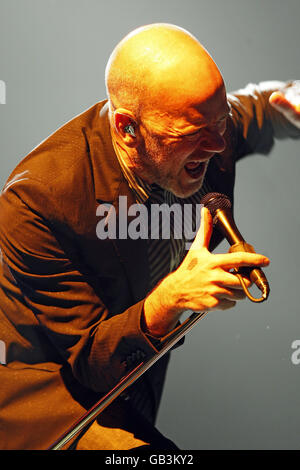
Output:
x=257 y=122
x=59 y=298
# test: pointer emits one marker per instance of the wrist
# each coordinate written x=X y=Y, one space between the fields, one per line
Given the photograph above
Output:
x=161 y=311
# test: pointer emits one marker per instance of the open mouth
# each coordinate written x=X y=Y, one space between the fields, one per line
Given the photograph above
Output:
x=195 y=169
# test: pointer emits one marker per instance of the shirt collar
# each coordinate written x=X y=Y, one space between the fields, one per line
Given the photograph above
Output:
x=141 y=189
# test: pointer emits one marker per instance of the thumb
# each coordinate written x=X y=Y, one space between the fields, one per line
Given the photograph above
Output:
x=204 y=233
x=288 y=104
x=279 y=101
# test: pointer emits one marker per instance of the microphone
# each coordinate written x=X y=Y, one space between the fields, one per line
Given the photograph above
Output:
x=219 y=206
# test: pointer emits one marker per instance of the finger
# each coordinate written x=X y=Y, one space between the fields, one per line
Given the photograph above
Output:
x=231 y=280
x=279 y=100
x=231 y=294
x=240 y=259
x=246 y=280
x=225 y=304
x=204 y=233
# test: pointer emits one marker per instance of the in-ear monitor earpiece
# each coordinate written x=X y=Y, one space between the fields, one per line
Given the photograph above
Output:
x=129 y=130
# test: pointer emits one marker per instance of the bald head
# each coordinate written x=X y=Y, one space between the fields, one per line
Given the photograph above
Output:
x=157 y=66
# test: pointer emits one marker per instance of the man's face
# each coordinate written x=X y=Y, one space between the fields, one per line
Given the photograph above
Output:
x=178 y=145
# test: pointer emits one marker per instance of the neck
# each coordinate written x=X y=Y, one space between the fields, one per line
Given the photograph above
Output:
x=129 y=157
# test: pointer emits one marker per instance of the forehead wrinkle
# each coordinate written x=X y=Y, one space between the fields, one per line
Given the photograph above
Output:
x=178 y=120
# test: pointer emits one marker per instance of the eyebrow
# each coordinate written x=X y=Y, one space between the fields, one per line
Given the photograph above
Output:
x=224 y=116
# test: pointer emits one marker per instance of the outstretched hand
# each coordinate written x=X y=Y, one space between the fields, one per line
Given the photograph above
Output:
x=206 y=278
x=287 y=101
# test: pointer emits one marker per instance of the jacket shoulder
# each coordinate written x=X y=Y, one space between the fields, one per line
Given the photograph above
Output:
x=55 y=157
x=56 y=179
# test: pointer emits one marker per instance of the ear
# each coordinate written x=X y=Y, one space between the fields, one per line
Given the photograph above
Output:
x=125 y=126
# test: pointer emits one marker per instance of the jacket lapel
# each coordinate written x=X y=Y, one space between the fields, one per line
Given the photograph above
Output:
x=132 y=253
x=111 y=187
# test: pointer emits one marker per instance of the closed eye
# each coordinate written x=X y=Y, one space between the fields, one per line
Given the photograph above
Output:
x=218 y=123
x=193 y=133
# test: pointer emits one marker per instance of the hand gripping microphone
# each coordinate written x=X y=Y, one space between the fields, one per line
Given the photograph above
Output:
x=219 y=206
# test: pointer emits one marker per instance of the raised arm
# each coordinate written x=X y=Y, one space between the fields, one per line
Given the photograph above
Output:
x=263 y=112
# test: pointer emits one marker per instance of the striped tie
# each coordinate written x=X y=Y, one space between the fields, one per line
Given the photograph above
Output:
x=159 y=253
x=164 y=255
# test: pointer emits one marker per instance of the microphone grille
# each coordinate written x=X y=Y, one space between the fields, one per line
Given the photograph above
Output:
x=214 y=201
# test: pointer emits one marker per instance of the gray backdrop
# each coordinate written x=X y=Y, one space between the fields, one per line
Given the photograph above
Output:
x=233 y=384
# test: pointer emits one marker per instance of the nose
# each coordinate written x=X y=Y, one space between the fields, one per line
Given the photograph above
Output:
x=212 y=141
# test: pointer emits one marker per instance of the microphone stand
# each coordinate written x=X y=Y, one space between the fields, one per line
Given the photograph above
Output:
x=166 y=344
x=237 y=242
x=169 y=341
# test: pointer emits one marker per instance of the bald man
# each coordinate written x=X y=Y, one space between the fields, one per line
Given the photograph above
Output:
x=79 y=309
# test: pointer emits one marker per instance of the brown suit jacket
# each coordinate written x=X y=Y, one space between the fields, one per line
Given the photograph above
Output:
x=70 y=304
